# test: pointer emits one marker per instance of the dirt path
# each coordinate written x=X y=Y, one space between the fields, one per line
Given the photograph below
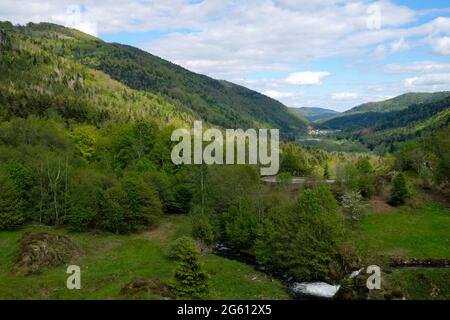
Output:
x=162 y=232
x=379 y=204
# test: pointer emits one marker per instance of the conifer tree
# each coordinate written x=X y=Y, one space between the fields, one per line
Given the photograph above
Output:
x=191 y=281
x=400 y=190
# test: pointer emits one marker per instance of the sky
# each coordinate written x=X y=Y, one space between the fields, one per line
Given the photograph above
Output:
x=332 y=54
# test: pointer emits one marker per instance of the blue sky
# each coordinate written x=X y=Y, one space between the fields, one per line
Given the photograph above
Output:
x=330 y=53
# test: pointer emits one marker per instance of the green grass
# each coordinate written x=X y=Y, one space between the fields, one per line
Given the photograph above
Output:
x=417 y=284
x=405 y=233
x=109 y=261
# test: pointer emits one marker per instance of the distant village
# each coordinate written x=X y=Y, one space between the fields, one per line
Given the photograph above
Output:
x=316 y=132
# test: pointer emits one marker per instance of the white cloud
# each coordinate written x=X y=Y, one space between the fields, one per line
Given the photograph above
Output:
x=277 y=94
x=281 y=94
x=242 y=39
x=306 y=78
x=344 y=96
x=429 y=82
x=442 y=45
x=75 y=17
x=399 y=45
x=418 y=66
x=285 y=31
x=233 y=37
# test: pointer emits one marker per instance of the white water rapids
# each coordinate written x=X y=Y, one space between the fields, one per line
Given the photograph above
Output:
x=319 y=289
x=316 y=289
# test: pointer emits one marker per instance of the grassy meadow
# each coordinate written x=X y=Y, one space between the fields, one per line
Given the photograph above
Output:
x=109 y=261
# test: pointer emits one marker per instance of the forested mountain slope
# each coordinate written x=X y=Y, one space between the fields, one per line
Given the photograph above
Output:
x=386 y=130
x=358 y=116
x=314 y=114
x=399 y=102
x=217 y=102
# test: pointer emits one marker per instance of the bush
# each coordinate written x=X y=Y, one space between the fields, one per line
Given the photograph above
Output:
x=183 y=199
x=11 y=204
x=353 y=206
x=202 y=230
x=359 y=176
x=241 y=227
x=400 y=191
x=284 y=178
x=178 y=247
x=191 y=281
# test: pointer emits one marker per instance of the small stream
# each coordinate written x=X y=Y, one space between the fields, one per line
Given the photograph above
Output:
x=297 y=290
x=319 y=290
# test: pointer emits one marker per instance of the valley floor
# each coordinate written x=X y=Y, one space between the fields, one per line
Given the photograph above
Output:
x=110 y=261
x=406 y=235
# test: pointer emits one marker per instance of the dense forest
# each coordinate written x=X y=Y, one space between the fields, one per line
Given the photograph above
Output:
x=217 y=102
x=314 y=114
x=386 y=131
x=397 y=103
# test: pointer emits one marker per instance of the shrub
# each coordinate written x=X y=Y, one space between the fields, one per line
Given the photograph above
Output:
x=359 y=176
x=183 y=199
x=202 y=229
x=353 y=206
x=241 y=227
x=11 y=204
x=178 y=247
x=284 y=178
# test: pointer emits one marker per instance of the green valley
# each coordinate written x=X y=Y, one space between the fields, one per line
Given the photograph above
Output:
x=87 y=178
x=314 y=114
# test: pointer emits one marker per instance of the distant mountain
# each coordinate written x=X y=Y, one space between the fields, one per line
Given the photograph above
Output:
x=393 y=133
x=400 y=102
x=369 y=113
x=37 y=82
x=314 y=114
x=219 y=103
x=385 y=131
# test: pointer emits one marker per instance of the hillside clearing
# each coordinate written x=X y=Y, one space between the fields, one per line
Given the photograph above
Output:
x=109 y=261
x=403 y=233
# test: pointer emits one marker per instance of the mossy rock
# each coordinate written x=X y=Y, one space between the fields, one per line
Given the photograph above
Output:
x=353 y=288
x=147 y=288
x=41 y=250
x=394 y=294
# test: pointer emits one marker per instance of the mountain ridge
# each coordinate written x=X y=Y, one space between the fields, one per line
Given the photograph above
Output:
x=361 y=115
x=386 y=131
x=314 y=114
x=220 y=104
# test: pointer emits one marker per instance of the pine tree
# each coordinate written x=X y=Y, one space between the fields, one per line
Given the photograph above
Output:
x=400 y=190
x=191 y=281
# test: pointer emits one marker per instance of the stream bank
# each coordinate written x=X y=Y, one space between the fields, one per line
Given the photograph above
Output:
x=350 y=287
x=297 y=290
